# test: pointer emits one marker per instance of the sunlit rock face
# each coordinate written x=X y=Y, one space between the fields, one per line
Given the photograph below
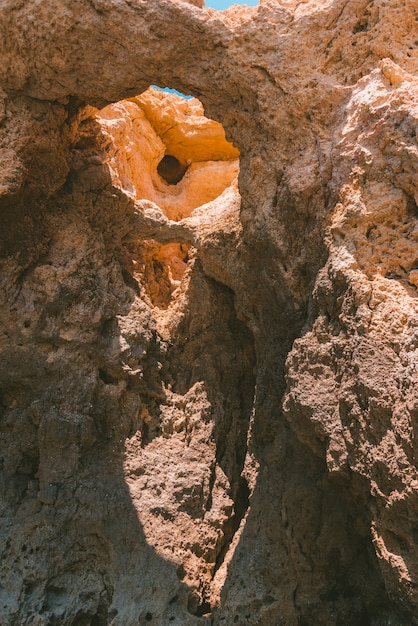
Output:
x=160 y=147
x=208 y=313
x=165 y=150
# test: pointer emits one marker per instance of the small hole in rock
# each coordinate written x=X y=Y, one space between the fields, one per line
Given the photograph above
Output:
x=171 y=169
x=203 y=609
x=198 y=608
x=130 y=281
x=105 y=377
x=148 y=617
x=360 y=27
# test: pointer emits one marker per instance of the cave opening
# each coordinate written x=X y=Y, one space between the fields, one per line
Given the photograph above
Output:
x=161 y=148
x=171 y=169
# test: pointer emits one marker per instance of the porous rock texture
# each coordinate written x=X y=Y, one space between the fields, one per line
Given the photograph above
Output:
x=209 y=408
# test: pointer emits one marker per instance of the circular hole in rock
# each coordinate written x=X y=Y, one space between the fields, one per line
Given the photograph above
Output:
x=171 y=169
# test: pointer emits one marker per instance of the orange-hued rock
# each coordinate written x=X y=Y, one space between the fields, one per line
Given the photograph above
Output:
x=156 y=124
x=185 y=131
x=208 y=313
x=140 y=135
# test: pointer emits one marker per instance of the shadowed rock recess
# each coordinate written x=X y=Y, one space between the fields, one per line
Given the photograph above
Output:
x=208 y=313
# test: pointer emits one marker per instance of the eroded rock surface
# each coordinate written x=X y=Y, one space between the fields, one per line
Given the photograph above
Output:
x=208 y=333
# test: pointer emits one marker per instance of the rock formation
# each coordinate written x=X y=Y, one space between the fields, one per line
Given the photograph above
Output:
x=209 y=313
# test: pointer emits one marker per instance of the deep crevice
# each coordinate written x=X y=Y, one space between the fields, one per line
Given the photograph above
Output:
x=242 y=503
x=105 y=377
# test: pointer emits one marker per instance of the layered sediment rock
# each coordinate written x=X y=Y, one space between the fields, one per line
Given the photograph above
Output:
x=208 y=384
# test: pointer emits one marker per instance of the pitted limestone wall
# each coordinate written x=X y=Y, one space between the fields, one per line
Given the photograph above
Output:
x=243 y=451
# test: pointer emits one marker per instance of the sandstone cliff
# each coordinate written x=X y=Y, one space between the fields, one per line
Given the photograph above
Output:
x=209 y=313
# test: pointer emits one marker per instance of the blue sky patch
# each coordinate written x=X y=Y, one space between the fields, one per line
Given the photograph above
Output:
x=224 y=4
x=168 y=90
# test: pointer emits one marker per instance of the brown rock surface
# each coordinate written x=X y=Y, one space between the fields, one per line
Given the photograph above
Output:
x=208 y=390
